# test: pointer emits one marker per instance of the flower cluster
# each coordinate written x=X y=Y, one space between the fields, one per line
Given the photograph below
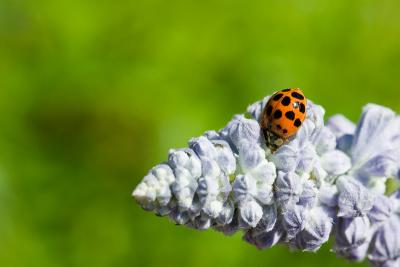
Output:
x=327 y=180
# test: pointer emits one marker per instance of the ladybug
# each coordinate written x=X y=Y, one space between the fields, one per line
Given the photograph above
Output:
x=282 y=116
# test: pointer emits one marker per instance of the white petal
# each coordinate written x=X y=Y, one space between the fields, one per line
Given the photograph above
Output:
x=244 y=186
x=381 y=210
x=203 y=147
x=225 y=158
x=194 y=164
x=294 y=220
x=385 y=245
x=226 y=214
x=325 y=141
x=377 y=185
x=352 y=237
x=318 y=172
x=207 y=189
x=241 y=129
x=264 y=193
x=250 y=213
x=177 y=158
x=184 y=187
x=286 y=157
x=250 y=155
x=316 y=231
x=142 y=193
x=335 y=162
x=202 y=222
x=345 y=142
x=268 y=219
x=340 y=125
x=164 y=194
x=315 y=113
x=307 y=158
x=265 y=172
x=213 y=208
x=212 y=135
x=210 y=167
x=308 y=196
x=354 y=198
x=163 y=173
x=370 y=137
x=257 y=108
x=328 y=195
x=381 y=166
x=185 y=158
x=304 y=134
x=288 y=188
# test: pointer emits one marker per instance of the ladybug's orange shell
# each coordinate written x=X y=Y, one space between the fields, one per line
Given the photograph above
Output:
x=284 y=113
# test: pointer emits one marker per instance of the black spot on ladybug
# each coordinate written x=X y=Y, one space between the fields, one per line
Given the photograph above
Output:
x=297 y=123
x=286 y=101
x=269 y=110
x=277 y=114
x=279 y=126
x=284 y=131
x=302 y=108
x=277 y=97
x=289 y=115
x=286 y=90
x=297 y=95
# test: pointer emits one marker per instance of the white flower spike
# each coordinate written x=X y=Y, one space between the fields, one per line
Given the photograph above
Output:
x=321 y=181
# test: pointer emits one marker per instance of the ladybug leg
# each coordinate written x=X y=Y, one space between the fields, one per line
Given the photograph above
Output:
x=278 y=142
x=272 y=140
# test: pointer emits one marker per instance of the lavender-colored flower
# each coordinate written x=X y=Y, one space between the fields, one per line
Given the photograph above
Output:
x=340 y=126
x=255 y=110
x=250 y=213
x=324 y=141
x=254 y=186
x=265 y=239
x=241 y=130
x=316 y=231
x=325 y=180
x=288 y=188
x=154 y=191
x=309 y=194
x=374 y=146
x=385 y=245
x=213 y=191
x=328 y=195
x=335 y=162
x=354 y=199
x=268 y=220
x=294 y=220
x=352 y=237
x=381 y=210
x=184 y=187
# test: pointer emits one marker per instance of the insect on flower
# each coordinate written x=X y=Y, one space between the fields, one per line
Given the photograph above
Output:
x=283 y=116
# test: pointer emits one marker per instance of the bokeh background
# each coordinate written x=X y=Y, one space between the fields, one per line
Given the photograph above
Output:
x=94 y=93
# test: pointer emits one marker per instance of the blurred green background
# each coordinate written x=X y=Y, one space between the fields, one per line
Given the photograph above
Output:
x=94 y=93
